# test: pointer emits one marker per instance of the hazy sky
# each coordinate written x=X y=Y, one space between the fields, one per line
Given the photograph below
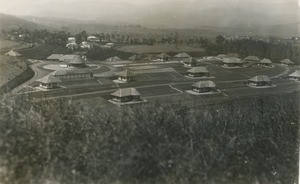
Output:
x=25 y=7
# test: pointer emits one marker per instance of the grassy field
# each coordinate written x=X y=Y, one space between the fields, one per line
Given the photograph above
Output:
x=142 y=49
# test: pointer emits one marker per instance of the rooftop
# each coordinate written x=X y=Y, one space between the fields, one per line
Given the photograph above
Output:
x=12 y=53
x=199 y=69
x=125 y=73
x=204 y=84
x=232 y=60
x=115 y=58
x=48 y=79
x=70 y=72
x=265 y=61
x=260 y=78
x=55 y=56
x=295 y=74
x=163 y=55
x=126 y=92
x=190 y=60
x=182 y=55
x=252 y=58
x=287 y=61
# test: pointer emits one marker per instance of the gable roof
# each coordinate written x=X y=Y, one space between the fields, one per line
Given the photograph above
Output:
x=126 y=92
x=70 y=72
x=77 y=60
x=125 y=73
x=163 y=55
x=199 y=69
x=252 y=58
x=260 y=78
x=13 y=53
x=182 y=55
x=204 y=84
x=287 y=61
x=190 y=60
x=48 y=79
x=55 y=56
x=115 y=58
x=295 y=74
x=232 y=60
x=265 y=61
x=68 y=57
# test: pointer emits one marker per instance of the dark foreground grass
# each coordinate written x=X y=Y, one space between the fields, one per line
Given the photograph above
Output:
x=245 y=141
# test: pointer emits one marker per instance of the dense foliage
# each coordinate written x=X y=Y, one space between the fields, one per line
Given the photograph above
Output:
x=244 y=141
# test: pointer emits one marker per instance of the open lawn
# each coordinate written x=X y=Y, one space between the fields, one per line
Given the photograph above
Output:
x=142 y=49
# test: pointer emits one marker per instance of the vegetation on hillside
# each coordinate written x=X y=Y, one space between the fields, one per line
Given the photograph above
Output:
x=243 y=141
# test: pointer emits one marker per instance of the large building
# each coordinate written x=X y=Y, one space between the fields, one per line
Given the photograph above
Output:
x=125 y=76
x=181 y=56
x=265 y=62
x=260 y=80
x=113 y=59
x=126 y=95
x=49 y=82
x=190 y=62
x=204 y=87
x=198 y=72
x=13 y=53
x=233 y=62
x=72 y=61
x=73 y=74
x=295 y=76
x=287 y=62
x=163 y=57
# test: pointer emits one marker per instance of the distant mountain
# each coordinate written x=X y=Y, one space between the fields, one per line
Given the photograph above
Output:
x=10 y=22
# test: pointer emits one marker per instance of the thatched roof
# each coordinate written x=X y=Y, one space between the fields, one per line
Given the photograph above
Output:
x=163 y=56
x=265 y=61
x=204 y=84
x=260 y=78
x=287 y=62
x=13 y=53
x=295 y=74
x=126 y=92
x=233 y=60
x=199 y=69
x=115 y=58
x=49 y=79
x=70 y=72
x=125 y=73
x=182 y=55
x=252 y=58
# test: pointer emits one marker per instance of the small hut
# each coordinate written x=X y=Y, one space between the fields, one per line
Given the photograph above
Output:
x=77 y=62
x=287 y=62
x=204 y=87
x=260 y=80
x=265 y=62
x=49 y=82
x=295 y=76
x=163 y=57
x=233 y=62
x=126 y=95
x=198 y=72
x=190 y=62
x=125 y=76
x=181 y=56
x=13 y=53
x=252 y=58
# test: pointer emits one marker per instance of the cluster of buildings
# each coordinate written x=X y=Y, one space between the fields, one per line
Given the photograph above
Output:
x=69 y=60
x=88 y=44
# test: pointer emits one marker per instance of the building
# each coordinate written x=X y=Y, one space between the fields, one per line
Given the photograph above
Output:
x=260 y=80
x=55 y=57
x=49 y=82
x=126 y=95
x=77 y=62
x=163 y=57
x=13 y=53
x=190 y=62
x=232 y=62
x=221 y=56
x=295 y=76
x=181 y=56
x=252 y=58
x=113 y=59
x=92 y=39
x=204 y=87
x=73 y=74
x=85 y=45
x=71 y=40
x=287 y=62
x=265 y=62
x=109 y=45
x=125 y=76
x=72 y=46
x=135 y=57
x=198 y=72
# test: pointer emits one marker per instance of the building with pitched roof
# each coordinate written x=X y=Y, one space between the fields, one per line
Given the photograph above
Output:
x=135 y=57
x=55 y=57
x=265 y=62
x=260 y=80
x=295 y=76
x=181 y=56
x=204 y=87
x=125 y=76
x=126 y=95
x=73 y=74
x=49 y=82
x=13 y=53
x=190 y=62
x=199 y=71
x=287 y=62
x=232 y=62
x=163 y=57
x=252 y=58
